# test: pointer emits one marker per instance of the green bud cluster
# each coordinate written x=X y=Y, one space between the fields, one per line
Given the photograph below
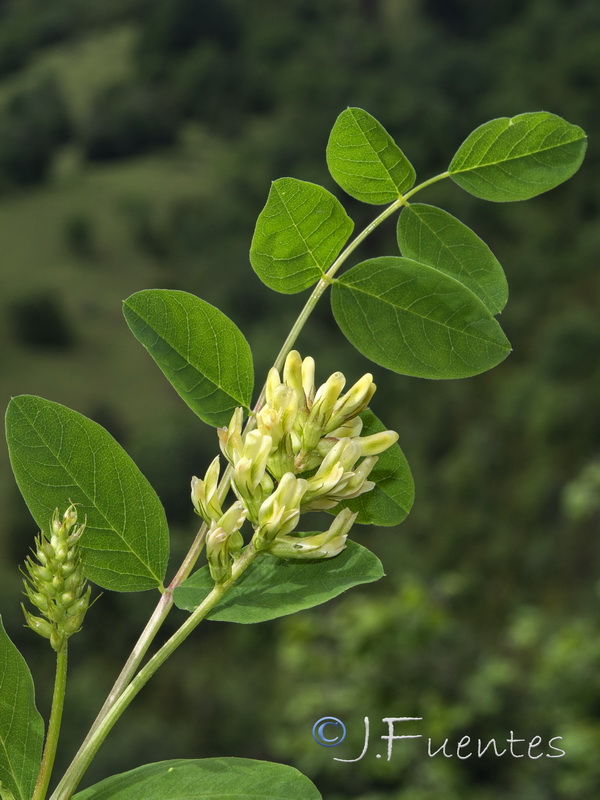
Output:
x=55 y=583
x=306 y=453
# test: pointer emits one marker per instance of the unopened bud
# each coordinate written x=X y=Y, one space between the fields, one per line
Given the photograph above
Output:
x=217 y=555
x=292 y=375
x=320 y=545
x=224 y=542
x=321 y=410
x=230 y=438
x=376 y=443
x=37 y=624
x=277 y=418
x=308 y=378
x=233 y=519
x=356 y=399
x=279 y=513
x=205 y=493
x=272 y=384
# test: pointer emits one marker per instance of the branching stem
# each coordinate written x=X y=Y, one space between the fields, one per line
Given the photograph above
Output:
x=126 y=686
x=87 y=752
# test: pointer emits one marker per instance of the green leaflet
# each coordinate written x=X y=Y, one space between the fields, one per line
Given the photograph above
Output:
x=389 y=503
x=298 y=235
x=21 y=726
x=201 y=352
x=433 y=237
x=515 y=159
x=273 y=587
x=365 y=161
x=205 y=779
x=417 y=321
x=59 y=456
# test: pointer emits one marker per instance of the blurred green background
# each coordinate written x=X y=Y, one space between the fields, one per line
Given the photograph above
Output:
x=137 y=142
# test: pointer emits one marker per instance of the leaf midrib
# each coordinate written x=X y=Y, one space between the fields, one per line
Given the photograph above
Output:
x=309 y=248
x=517 y=158
x=388 y=173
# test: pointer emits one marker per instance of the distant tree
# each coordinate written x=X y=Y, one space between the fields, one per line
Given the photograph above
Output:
x=128 y=120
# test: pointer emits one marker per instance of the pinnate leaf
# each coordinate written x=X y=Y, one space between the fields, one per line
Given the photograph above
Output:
x=205 y=779
x=433 y=237
x=298 y=235
x=21 y=726
x=515 y=159
x=273 y=587
x=365 y=161
x=201 y=352
x=391 y=500
x=414 y=320
x=59 y=456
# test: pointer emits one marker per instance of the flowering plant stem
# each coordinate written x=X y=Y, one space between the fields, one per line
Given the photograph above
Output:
x=58 y=699
x=427 y=312
x=122 y=687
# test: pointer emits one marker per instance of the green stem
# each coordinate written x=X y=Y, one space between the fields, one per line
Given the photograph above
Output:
x=153 y=625
x=427 y=183
x=82 y=760
x=58 y=699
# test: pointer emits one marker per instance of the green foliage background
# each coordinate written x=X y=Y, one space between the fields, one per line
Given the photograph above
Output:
x=138 y=140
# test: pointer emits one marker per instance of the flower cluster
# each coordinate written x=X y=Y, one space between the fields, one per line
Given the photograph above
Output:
x=304 y=453
x=55 y=583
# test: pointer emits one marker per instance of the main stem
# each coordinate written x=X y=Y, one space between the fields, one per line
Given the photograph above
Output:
x=58 y=700
x=166 y=602
x=74 y=774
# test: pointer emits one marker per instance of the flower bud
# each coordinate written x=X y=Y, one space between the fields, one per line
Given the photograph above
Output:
x=320 y=412
x=217 y=555
x=224 y=542
x=272 y=384
x=292 y=375
x=37 y=624
x=233 y=519
x=251 y=482
x=279 y=513
x=308 y=378
x=356 y=399
x=277 y=418
x=320 y=545
x=377 y=442
x=230 y=438
x=205 y=493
